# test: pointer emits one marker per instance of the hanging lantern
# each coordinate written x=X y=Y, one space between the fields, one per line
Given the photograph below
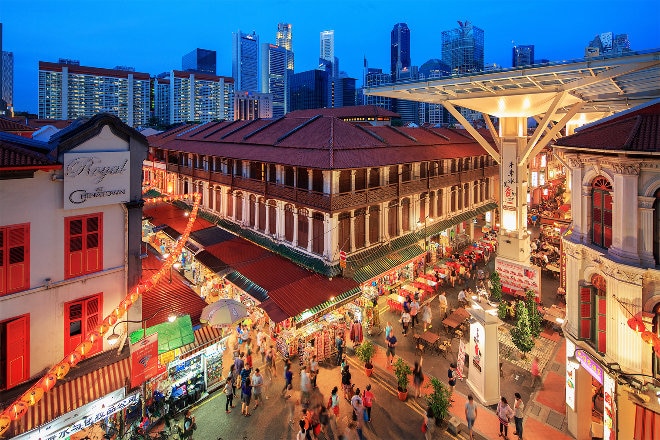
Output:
x=135 y=296
x=73 y=359
x=84 y=348
x=632 y=323
x=5 y=421
x=110 y=320
x=647 y=337
x=103 y=328
x=94 y=336
x=62 y=369
x=17 y=410
x=48 y=382
x=33 y=395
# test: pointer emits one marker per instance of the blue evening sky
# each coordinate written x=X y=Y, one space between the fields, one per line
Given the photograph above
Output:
x=152 y=36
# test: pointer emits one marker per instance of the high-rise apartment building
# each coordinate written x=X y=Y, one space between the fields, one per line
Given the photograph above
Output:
x=373 y=78
x=274 y=77
x=200 y=97
x=67 y=91
x=160 y=99
x=327 y=46
x=608 y=44
x=399 y=49
x=3 y=105
x=7 y=87
x=463 y=48
x=245 y=61
x=252 y=105
x=284 y=38
x=523 y=55
x=200 y=61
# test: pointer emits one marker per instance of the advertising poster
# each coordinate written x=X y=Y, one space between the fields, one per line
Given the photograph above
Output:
x=460 y=362
x=515 y=276
x=144 y=359
x=570 y=376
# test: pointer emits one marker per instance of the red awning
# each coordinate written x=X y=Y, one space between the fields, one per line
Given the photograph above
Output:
x=74 y=394
x=170 y=215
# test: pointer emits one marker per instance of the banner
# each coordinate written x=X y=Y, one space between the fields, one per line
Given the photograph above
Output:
x=144 y=360
x=460 y=362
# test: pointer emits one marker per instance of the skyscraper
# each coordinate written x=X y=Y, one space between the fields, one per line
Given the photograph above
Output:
x=463 y=48
x=7 y=80
x=372 y=78
x=3 y=105
x=327 y=46
x=399 y=49
x=309 y=90
x=200 y=61
x=245 y=61
x=284 y=39
x=523 y=55
x=200 y=97
x=274 y=77
x=608 y=44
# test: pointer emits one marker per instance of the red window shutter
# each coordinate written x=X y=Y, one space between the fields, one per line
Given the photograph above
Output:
x=18 y=245
x=3 y=264
x=84 y=245
x=73 y=325
x=602 y=324
x=94 y=243
x=585 y=313
x=93 y=309
x=74 y=247
x=18 y=352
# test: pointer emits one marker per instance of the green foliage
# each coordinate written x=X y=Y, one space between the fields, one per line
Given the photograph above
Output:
x=533 y=314
x=440 y=399
x=365 y=351
x=521 y=334
x=502 y=310
x=496 y=291
x=402 y=371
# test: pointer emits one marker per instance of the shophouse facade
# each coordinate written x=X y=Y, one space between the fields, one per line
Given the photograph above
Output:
x=69 y=247
x=610 y=268
x=328 y=181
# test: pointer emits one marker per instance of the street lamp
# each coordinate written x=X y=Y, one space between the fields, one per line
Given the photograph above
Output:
x=114 y=337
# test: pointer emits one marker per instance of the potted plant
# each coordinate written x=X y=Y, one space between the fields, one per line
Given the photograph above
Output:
x=365 y=352
x=496 y=289
x=402 y=371
x=439 y=400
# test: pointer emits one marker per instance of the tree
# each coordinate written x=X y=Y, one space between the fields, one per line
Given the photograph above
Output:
x=496 y=290
x=439 y=400
x=521 y=334
x=502 y=310
x=533 y=313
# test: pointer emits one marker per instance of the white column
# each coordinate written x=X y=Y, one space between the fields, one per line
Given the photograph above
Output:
x=256 y=213
x=352 y=180
x=280 y=226
x=233 y=206
x=645 y=231
x=310 y=232
x=295 y=228
x=331 y=239
x=352 y=241
x=267 y=226
x=366 y=227
x=399 y=218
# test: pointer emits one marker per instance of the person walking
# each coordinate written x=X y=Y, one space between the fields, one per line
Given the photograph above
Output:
x=442 y=299
x=288 y=376
x=257 y=387
x=388 y=330
x=418 y=378
x=358 y=410
x=426 y=316
x=368 y=401
x=405 y=322
x=391 y=346
x=451 y=375
x=428 y=425
x=305 y=387
x=518 y=409
x=229 y=392
x=313 y=370
x=246 y=397
x=504 y=414
x=534 y=369
x=339 y=342
x=414 y=311
x=470 y=414
x=346 y=382
x=333 y=406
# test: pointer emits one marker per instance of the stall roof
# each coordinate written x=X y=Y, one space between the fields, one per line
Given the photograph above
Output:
x=166 y=213
x=212 y=263
x=211 y=235
x=171 y=335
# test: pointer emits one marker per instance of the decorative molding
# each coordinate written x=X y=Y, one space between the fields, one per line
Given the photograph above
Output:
x=621 y=272
x=645 y=202
x=626 y=168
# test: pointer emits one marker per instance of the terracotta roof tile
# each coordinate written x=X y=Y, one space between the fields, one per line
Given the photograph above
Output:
x=12 y=126
x=346 y=112
x=167 y=214
x=17 y=151
x=636 y=130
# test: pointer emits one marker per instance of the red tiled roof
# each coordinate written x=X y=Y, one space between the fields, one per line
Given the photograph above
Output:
x=324 y=142
x=637 y=130
x=167 y=214
x=15 y=155
x=12 y=126
x=175 y=298
x=202 y=76
x=308 y=292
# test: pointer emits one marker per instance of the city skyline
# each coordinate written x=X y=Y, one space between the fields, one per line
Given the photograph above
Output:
x=110 y=39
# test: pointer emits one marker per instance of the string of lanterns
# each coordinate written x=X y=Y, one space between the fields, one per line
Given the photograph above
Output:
x=637 y=324
x=36 y=392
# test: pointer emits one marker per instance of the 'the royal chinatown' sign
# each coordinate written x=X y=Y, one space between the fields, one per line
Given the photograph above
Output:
x=95 y=179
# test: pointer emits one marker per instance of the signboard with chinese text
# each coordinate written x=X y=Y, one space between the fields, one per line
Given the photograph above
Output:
x=570 y=376
x=460 y=362
x=589 y=364
x=96 y=179
x=609 y=406
x=144 y=360
x=516 y=276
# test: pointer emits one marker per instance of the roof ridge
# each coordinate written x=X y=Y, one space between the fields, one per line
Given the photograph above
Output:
x=222 y=127
x=295 y=129
x=633 y=133
x=238 y=128
x=371 y=133
x=402 y=133
x=440 y=135
x=263 y=127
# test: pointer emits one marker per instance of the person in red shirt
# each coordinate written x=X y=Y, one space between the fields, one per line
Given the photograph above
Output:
x=368 y=401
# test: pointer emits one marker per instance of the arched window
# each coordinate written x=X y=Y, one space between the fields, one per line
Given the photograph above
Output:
x=272 y=217
x=239 y=206
x=344 y=227
x=261 y=203
x=288 y=222
x=360 y=232
x=601 y=212
x=405 y=215
x=318 y=234
x=253 y=209
x=303 y=227
x=392 y=218
x=374 y=224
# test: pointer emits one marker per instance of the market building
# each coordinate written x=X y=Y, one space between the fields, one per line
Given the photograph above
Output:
x=62 y=268
x=611 y=257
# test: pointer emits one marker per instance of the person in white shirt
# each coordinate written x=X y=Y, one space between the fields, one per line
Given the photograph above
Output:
x=442 y=299
x=462 y=298
x=518 y=409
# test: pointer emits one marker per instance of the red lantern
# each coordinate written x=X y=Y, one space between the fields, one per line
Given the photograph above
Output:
x=48 y=382
x=73 y=360
x=640 y=326
x=647 y=337
x=632 y=323
x=17 y=410
x=32 y=396
x=83 y=348
x=62 y=369
x=5 y=421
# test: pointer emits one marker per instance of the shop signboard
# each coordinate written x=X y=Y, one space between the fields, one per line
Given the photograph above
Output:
x=609 y=406
x=562 y=265
x=590 y=365
x=570 y=375
x=96 y=179
x=60 y=428
x=144 y=360
x=460 y=362
x=516 y=276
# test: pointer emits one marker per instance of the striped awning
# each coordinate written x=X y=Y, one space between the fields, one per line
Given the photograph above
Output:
x=74 y=394
x=204 y=337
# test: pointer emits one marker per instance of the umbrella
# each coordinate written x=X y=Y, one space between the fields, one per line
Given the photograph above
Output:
x=223 y=312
